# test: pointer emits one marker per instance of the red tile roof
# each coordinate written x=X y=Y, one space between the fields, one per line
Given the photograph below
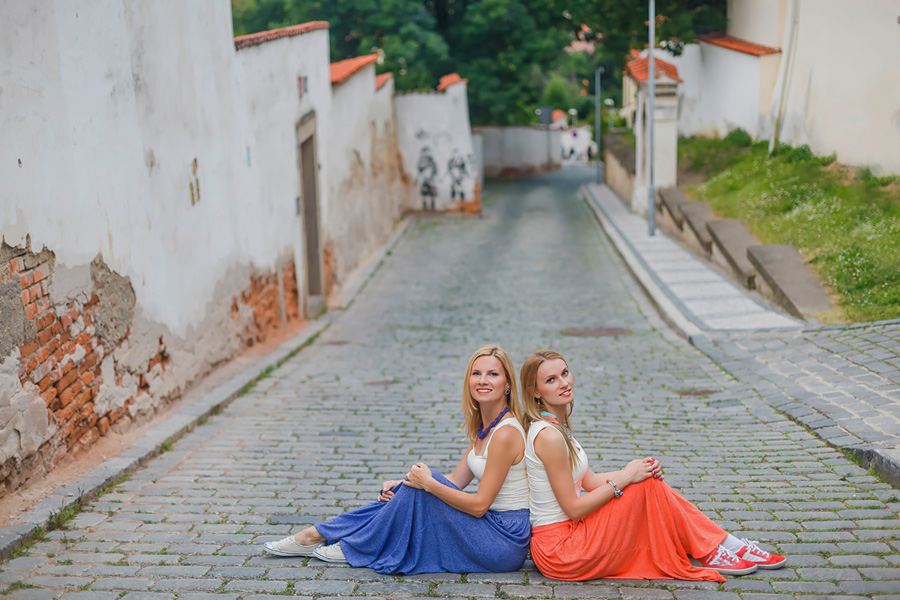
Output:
x=255 y=39
x=448 y=80
x=638 y=69
x=382 y=79
x=559 y=114
x=342 y=70
x=737 y=44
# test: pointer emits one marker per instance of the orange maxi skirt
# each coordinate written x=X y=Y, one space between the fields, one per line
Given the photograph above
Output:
x=648 y=533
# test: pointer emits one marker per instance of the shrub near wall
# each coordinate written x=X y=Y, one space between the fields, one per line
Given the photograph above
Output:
x=58 y=395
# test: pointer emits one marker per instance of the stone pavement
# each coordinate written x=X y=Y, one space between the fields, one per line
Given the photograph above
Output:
x=379 y=390
x=842 y=382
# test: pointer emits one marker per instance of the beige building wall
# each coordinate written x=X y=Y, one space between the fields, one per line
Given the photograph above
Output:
x=843 y=86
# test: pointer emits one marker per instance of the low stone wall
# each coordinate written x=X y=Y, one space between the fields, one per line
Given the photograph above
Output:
x=619 y=163
x=77 y=360
x=520 y=151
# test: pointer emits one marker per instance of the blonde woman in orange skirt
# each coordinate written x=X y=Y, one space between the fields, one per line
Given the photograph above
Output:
x=628 y=524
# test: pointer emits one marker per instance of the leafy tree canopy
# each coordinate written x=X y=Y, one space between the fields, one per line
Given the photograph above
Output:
x=510 y=50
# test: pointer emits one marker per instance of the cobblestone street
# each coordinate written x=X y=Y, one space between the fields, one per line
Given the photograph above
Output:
x=380 y=388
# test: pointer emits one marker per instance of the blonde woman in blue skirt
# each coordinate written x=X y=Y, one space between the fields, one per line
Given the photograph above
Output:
x=425 y=523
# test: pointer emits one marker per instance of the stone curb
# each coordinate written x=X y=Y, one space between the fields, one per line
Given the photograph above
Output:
x=660 y=299
x=152 y=443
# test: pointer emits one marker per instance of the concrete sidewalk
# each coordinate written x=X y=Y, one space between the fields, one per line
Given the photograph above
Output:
x=841 y=382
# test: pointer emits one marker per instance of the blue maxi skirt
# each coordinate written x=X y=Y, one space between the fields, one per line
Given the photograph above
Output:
x=415 y=532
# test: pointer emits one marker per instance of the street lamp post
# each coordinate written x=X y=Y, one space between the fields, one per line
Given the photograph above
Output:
x=610 y=103
x=651 y=117
x=597 y=74
x=574 y=115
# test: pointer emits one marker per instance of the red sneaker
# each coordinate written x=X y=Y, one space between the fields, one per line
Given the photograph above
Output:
x=727 y=563
x=751 y=552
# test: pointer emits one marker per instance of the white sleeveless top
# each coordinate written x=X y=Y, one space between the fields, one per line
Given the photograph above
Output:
x=513 y=494
x=544 y=507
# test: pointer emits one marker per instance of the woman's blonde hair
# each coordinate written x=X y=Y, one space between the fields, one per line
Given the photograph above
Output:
x=470 y=409
x=531 y=403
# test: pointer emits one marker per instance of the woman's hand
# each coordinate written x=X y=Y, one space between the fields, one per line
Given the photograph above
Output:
x=419 y=477
x=386 y=487
x=642 y=468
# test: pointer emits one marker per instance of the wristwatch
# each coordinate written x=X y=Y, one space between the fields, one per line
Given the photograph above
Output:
x=615 y=488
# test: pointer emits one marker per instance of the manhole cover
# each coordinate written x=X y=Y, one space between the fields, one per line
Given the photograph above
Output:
x=336 y=343
x=382 y=382
x=595 y=331
x=697 y=393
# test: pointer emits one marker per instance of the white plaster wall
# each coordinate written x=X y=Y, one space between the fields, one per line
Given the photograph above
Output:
x=721 y=91
x=843 y=89
x=365 y=181
x=107 y=105
x=478 y=152
x=437 y=124
x=520 y=150
x=758 y=21
x=267 y=76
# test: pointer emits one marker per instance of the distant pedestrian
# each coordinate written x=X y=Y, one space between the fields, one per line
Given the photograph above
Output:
x=426 y=523
x=629 y=524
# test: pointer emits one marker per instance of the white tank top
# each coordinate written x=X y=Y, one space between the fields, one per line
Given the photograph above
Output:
x=544 y=507
x=513 y=494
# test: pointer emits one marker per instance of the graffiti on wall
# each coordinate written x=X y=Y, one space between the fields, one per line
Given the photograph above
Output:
x=437 y=149
x=426 y=175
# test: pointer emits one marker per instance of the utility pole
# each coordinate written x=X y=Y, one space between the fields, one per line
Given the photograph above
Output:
x=597 y=74
x=651 y=116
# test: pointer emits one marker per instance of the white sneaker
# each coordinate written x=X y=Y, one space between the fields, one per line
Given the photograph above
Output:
x=289 y=547
x=331 y=554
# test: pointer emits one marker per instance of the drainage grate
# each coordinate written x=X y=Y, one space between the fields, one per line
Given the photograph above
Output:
x=595 y=331
x=696 y=392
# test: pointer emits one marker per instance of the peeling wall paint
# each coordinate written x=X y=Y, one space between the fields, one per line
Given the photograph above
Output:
x=156 y=168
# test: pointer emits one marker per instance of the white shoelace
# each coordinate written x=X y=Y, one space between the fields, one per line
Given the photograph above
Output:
x=724 y=556
x=754 y=547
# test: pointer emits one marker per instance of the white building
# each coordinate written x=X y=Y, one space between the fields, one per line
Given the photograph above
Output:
x=818 y=71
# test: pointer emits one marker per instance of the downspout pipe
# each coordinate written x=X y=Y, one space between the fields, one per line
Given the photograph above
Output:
x=790 y=37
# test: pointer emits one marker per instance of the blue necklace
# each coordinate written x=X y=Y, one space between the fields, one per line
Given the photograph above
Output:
x=481 y=433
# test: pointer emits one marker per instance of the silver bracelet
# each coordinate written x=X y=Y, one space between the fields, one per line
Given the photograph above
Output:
x=618 y=493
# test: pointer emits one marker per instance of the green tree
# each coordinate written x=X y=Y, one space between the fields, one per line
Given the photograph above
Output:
x=556 y=94
x=622 y=25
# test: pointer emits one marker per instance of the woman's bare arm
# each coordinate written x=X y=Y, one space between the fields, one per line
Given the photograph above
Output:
x=506 y=448
x=551 y=450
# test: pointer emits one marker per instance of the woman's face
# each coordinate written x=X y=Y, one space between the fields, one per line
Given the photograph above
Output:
x=554 y=382
x=488 y=383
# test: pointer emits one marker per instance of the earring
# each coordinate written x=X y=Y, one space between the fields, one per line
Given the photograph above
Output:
x=538 y=400
x=507 y=393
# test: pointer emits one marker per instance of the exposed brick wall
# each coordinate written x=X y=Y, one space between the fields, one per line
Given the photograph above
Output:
x=273 y=305
x=62 y=347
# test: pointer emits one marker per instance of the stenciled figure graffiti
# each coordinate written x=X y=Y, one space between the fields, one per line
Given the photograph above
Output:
x=456 y=167
x=427 y=172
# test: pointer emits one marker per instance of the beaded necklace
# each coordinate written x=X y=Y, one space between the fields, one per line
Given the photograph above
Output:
x=481 y=433
x=549 y=416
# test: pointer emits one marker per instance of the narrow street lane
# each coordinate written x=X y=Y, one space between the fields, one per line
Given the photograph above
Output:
x=380 y=390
